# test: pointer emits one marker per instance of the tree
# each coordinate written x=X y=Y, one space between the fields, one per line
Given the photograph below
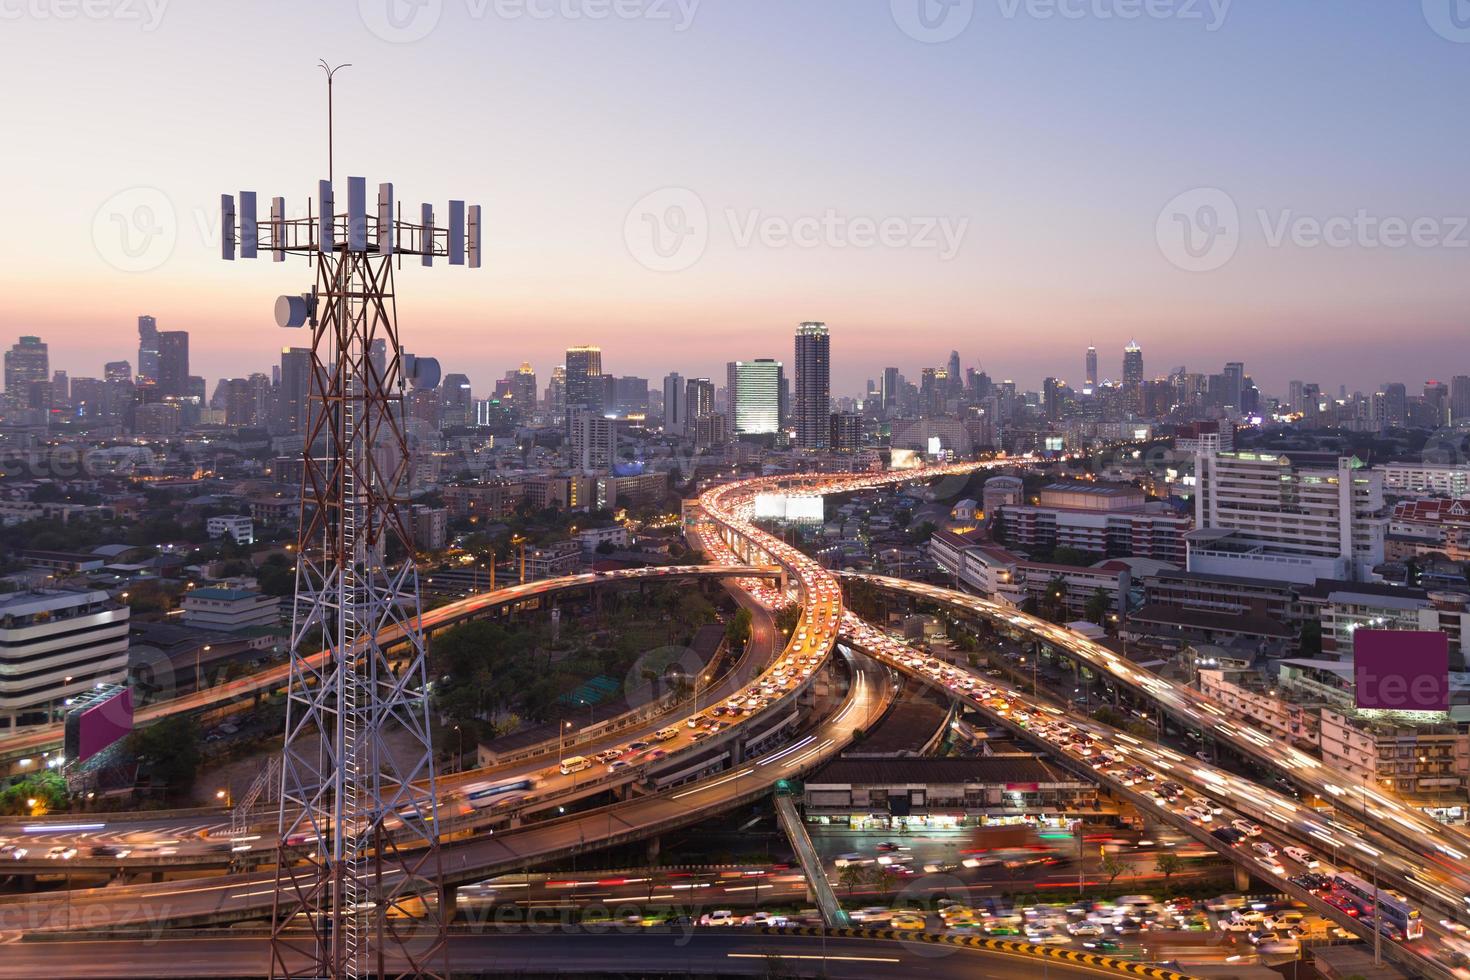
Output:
x=1097 y=606
x=48 y=790
x=1107 y=716
x=1112 y=867
x=851 y=876
x=1311 y=638
x=1168 y=864
x=787 y=618
x=169 y=750
x=737 y=631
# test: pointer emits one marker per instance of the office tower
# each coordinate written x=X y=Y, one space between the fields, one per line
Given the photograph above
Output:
x=1133 y=378
x=755 y=391
x=630 y=395
x=117 y=371
x=295 y=382
x=26 y=363
x=890 y=390
x=60 y=390
x=956 y=382
x=674 y=404
x=699 y=400
x=456 y=402
x=1053 y=393
x=1092 y=367
x=88 y=398
x=1294 y=393
x=378 y=355
x=813 y=410
x=1294 y=518
x=593 y=440
x=1460 y=397
x=846 y=432
x=147 y=350
x=1436 y=403
x=1234 y=387
x=933 y=392
x=173 y=362
x=556 y=392
x=523 y=389
x=584 y=383
x=1396 y=404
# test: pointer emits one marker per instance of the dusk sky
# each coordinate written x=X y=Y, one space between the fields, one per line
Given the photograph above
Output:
x=650 y=180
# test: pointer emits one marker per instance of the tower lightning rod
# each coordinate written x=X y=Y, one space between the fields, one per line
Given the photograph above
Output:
x=331 y=175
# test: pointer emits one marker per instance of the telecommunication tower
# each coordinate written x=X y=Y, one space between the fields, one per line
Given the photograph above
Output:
x=359 y=889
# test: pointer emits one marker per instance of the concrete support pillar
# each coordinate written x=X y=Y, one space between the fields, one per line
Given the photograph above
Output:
x=654 y=847
x=450 y=906
x=1242 y=879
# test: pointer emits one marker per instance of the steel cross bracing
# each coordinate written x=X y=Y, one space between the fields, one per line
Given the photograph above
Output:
x=358 y=885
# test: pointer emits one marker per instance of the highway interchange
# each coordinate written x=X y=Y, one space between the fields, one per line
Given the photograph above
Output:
x=1369 y=831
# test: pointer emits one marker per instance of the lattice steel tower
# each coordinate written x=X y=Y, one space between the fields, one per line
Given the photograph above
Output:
x=359 y=890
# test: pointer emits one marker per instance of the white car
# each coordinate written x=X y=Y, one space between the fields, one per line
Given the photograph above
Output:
x=1303 y=857
x=719 y=917
x=1264 y=849
x=1246 y=827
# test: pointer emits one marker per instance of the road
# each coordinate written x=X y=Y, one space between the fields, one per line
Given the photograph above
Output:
x=702 y=952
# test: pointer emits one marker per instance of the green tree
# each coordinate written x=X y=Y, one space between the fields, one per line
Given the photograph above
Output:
x=1112 y=867
x=1168 y=865
x=851 y=876
x=787 y=618
x=1097 y=606
x=737 y=631
x=169 y=751
x=48 y=789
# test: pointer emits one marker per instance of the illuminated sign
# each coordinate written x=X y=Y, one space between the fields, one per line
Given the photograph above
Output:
x=791 y=509
x=905 y=459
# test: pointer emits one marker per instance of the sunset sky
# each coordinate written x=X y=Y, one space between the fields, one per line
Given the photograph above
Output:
x=1049 y=146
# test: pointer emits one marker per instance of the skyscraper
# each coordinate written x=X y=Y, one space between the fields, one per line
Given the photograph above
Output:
x=956 y=381
x=523 y=389
x=457 y=404
x=890 y=391
x=584 y=384
x=1460 y=397
x=26 y=363
x=173 y=362
x=291 y=402
x=699 y=401
x=813 y=412
x=1133 y=378
x=674 y=403
x=1091 y=367
x=1234 y=384
x=147 y=350
x=755 y=393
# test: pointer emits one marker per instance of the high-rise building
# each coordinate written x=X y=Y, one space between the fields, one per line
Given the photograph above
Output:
x=585 y=387
x=890 y=391
x=1460 y=397
x=956 y=380
x=699 y=400
x=556 y=392
x=1436 y=403
x=1234 y=391
x=147 y=350
x=457 y=402
x=1396 y=404
x=755 y=392
x=813 y=413
x=1292 y=518
x=593 y=440
x=630 y=395
x=846 y=432
x=117 y=371
x=291 y=401
x=173 y=362
x=1092 y=367
x=26 y=363
x=674 y=403
x=1133 y=378
x=523 y=389
x=55 y=645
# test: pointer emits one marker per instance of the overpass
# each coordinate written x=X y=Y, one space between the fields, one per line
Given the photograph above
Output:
x=1446 y=846
x=1101 y=753
x=42 y=738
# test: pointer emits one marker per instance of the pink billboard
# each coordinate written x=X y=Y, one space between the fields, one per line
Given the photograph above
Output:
x=94 y=726
x=1402 y=670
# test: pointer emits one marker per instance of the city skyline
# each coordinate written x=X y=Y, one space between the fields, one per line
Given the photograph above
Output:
x=1047 y=247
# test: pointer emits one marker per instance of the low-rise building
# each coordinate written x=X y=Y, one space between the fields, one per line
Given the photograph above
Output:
x=993 y=570
x=238 y=526
x=592 y=538
x=230 y=610
x=55 y=644
x=1106 y=519
x=553 y=560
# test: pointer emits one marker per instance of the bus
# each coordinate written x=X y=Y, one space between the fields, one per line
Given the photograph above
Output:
x=482 y=795
x=1392 y=906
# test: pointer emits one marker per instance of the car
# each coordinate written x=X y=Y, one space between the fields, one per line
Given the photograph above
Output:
x=61 y=852
x=719 y=917
x=938 y=867
x=909 y=920
x=700 y=735
x=873 y=913
x=1233 y=925
x=1198 y=814
x=1266 y=849
x=1229 y=835
x=1271 y=865
x=618 y=765
x=852 y=857
x=1302 y=856
x=1246 y=827
x=608 y=755
x=889 y=845
x=1085 y=929
x=764 y=919
x=1102 y=945
x=14 y=852
x=638 y=746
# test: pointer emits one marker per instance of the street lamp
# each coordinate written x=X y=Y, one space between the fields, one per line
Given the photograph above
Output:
x=223 y=794
x=198 y=669
x=561 y=741
x=459 y=749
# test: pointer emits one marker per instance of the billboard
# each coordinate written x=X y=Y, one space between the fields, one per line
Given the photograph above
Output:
x=905 y=459
x=1402 y=670
x=793 y=509
x=96 y=722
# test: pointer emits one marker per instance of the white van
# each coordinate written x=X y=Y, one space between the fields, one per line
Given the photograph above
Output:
x=575 y=764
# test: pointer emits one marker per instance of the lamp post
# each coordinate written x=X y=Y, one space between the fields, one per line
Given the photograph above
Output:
x=458 y=748
x=198 y=666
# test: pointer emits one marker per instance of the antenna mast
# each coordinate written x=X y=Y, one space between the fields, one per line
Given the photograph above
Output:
x=359 y=889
